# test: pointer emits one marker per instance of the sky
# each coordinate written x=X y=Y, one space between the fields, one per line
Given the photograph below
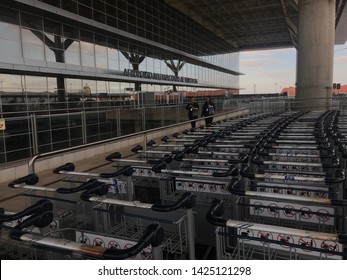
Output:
x=271 y=70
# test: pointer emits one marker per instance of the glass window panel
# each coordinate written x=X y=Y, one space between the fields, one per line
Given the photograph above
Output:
x=31 y=21
x=52 y=27
x=72 y=54
x=10 y=83
x=99 y=17
x=50 y=56
x=100 y=51
x=85 y=11
x=36 y=84
x=87 y=53
x=89 y=88
x=99 y=5
x=113 y=59
x=9 y=32
x=70 y=6
x=71 y=32
x=32 y=45
x=9 y=48
x=101 y=56
x=73 y=86
x=9 y=16
x=114 y=88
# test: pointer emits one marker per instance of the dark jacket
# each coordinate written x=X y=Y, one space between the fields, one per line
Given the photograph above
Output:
x=193 y=110
x=208 y=109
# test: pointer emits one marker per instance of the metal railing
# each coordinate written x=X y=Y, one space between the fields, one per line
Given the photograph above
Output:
x=144 y=134
x=47 y=131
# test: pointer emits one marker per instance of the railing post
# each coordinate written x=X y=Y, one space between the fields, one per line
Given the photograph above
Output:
x=84 y=127
x=35 y=144
x=144 y=118
x=118 y=121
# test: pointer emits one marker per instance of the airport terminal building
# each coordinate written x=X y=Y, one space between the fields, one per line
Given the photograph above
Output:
x=59 y=57
x=59 y=47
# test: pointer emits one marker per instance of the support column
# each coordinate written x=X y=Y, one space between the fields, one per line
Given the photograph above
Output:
x=316 y=37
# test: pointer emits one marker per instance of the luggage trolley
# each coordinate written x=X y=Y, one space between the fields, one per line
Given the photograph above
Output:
x=40 y=215
x=122 y=188
x=236 y=239
x=295 y=180
x=69 y=209
x=95 y=191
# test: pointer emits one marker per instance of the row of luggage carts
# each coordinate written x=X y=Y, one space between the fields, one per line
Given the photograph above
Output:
x=267 y=186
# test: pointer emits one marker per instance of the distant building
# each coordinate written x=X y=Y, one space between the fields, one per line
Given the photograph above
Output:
x=341 y=90
x=291 y=91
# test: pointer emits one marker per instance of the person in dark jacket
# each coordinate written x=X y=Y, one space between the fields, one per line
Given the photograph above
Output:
x=208 y=111
x=193 y=111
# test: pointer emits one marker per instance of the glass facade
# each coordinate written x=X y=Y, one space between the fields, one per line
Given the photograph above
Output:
x=36 y=46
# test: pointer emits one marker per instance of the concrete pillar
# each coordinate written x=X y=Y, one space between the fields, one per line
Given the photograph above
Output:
x=316 y=37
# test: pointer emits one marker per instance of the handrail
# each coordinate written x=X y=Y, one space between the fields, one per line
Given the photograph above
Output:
x=31 y=163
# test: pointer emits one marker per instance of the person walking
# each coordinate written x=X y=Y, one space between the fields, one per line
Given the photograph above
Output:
x=193 y=111
x=208 y=110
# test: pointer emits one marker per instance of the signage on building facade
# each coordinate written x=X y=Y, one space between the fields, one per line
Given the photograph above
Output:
x=157 y=76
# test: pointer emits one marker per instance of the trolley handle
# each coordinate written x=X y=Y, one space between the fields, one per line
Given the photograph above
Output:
x=151 y=143
x=187 y=201
x=244 y=172
x=243 y=158
x=262 y=152
x=113 y=156
x=65 y=167
x=85 y=186
x=126 y=171
x=39 y=220
x=159 y=166
x=165 y=139
x=233 y=171
x=166 y=158
x=340 y=177
x=136 y=149
x=99 y=189
x=203 y=143
x=154 y=236
x=215 y=212
x=30 y=179
x=191 y=149
x=257 y=160
x=235 y=183
x=40 y=206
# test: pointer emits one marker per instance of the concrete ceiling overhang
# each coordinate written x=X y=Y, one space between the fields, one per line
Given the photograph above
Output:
x=253 y=24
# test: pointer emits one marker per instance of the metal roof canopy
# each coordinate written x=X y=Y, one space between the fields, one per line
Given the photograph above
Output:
x=251 y=24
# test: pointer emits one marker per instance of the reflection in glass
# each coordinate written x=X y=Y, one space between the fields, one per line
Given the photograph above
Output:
x=101 y=56
x=32 y=45
x=87 y=53
x=72 y=54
